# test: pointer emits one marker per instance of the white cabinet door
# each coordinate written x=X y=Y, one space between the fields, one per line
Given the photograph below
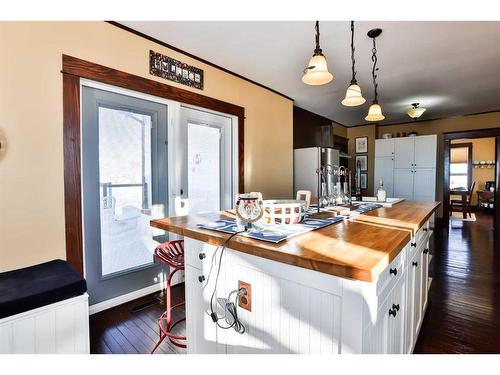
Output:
x=375 y=340
x=425 y=278
x=396 y=319
x=425 y=151
x=424 y=187
x=404 y=156
x=410 y=290
x=403 y=183
x=201 y=331
x=384 y=169
x=384 y=148
x=416 y=268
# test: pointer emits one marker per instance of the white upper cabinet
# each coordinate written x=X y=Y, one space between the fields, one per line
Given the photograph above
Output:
x=384 y=148
x=425 y=151
x=404 y=149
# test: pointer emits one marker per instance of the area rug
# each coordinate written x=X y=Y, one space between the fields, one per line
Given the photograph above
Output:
x=458 y=216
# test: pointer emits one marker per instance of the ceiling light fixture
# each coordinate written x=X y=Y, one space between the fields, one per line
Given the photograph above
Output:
x=317 y=72
x=353 y=96
x=375 y=111
x=415 y=112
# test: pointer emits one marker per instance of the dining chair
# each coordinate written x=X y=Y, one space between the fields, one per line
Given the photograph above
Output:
x=459 y=205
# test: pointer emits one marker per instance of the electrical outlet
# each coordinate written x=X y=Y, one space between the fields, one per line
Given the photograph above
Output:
x=245 y=301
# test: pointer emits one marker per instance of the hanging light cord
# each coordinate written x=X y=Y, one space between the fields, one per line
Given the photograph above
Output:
x=317 y=51
x=374 y=59
x=353 y=80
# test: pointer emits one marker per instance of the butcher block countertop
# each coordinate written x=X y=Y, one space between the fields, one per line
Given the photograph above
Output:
x=355 y=249
x=409 y=215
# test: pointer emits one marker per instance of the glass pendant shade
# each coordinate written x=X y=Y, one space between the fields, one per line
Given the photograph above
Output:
x=375 y=113
x=353 y=96
x=317 y=71
x=416 y=112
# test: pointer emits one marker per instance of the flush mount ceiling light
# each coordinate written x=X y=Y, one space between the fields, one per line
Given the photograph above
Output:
x=353 y=96
x=317 y=72
x=415 y=112
x=375 y=111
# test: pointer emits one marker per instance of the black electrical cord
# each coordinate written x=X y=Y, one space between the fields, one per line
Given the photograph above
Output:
x=230 y=306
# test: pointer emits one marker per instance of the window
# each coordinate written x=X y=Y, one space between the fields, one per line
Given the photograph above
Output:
x=460 y=166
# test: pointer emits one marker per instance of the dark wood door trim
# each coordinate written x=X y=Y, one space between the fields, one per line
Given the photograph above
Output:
x=74 y=69
x=471 y=134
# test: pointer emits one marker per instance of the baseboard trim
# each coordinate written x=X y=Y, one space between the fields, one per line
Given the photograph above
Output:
x=101 y=306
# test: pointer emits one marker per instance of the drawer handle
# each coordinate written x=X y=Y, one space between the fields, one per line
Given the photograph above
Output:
x=201 y=278
x=395 y=307
x=425 y=229
x=415 y=264
x=393 y=271
x=413 y=244
x=202 y=256
x=426 y=251
x=392 y=312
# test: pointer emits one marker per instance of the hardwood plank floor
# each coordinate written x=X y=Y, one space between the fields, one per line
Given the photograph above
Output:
x=463 y=315
x=121 y=331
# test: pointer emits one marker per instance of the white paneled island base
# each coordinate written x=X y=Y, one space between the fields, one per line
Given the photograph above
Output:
x=297 y=310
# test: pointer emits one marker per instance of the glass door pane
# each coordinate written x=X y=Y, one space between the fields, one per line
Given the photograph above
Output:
x=125 y=190
x=204 y=178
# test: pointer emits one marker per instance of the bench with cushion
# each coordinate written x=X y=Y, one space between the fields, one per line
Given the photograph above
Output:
x=43 y=309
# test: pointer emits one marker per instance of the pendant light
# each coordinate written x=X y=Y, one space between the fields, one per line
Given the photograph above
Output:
x=353 y=96
x=317 y=72
x=415 y=112
x=375 y=111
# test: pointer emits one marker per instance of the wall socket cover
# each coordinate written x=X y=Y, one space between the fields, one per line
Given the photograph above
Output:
x=245 y=301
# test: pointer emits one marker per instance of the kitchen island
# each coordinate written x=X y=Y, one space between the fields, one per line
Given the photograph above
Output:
x=357 y=286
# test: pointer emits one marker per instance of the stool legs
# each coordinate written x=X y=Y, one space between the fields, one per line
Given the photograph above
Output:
x=165 y=324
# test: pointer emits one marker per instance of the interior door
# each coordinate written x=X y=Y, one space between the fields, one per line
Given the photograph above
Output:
x=206 y=169
x=403 y=183
x=384 y=169
x=425 y=151
x=424 y=187
x=404 y=156
x=124 y=165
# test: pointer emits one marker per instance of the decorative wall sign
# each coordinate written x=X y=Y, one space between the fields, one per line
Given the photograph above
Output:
x=175 y=70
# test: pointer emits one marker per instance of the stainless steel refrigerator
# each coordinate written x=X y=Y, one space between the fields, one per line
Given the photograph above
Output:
x=306 y=161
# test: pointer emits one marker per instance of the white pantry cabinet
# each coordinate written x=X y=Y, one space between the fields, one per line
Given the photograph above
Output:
x=409 y=170
x=297 y=310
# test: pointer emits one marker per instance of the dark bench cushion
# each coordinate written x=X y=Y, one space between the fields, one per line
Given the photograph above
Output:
x=36 y=286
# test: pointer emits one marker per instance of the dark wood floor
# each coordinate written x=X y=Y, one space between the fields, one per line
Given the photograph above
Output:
x=463 y=315
x=121 y=331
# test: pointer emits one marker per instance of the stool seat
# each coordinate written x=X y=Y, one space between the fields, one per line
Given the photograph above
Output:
x=170 y=253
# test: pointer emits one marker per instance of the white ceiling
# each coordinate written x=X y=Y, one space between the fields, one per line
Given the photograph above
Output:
x=451 y=68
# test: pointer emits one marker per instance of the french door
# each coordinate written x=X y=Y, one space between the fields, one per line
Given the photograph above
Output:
x=144 y=159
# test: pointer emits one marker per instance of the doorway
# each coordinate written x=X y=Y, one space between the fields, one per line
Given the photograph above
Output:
x=144 y=159
x=471 y=176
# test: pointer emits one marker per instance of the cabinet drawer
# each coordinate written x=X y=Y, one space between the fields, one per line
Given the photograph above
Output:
x=421 y=236
x=391 y=274
x=197 y=253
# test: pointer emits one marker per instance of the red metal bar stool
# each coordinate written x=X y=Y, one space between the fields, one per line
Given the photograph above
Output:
x=170 y=253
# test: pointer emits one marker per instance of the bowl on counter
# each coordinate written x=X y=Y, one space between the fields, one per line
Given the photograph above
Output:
x=283 y=211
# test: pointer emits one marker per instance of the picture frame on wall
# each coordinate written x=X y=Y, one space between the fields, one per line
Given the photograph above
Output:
x=361 y=144
x=364 y=181
x=363 y=159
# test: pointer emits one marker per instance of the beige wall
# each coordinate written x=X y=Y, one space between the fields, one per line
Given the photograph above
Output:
x=453 y=124
x=369 y=131
x=339 y=130
x=483 y=149
x=31 y=172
